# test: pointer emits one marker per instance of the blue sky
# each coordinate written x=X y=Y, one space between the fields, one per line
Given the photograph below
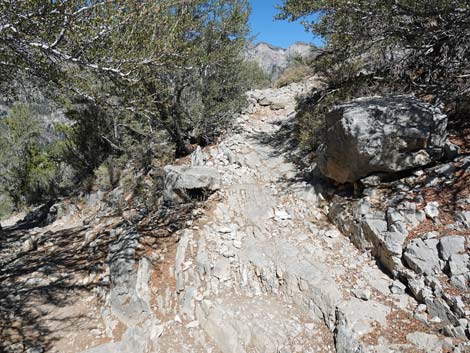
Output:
x=279 y=33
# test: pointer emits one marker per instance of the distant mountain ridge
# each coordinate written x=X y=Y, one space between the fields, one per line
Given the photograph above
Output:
x=274 y=60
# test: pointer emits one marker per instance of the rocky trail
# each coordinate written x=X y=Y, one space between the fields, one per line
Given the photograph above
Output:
x=261 y=269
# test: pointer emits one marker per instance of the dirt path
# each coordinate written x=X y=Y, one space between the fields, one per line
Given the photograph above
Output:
x=265 y=271
x=260 y=270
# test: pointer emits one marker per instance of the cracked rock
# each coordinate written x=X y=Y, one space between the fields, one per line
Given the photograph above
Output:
x=422 y=256
x=458 y=264
x=432 y=210
x=451 y=245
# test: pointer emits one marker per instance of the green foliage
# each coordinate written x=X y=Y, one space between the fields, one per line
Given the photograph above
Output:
x=28 y=168
x=6 y=205
x=295 y=73
x=138 y=80
x=175 y=64
x=254 y=76
x=103 y=177
x=420 y=47
x=87 y=144
x=172 y=66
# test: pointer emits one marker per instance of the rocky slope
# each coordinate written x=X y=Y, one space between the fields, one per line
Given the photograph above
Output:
x=257 y=267
x=274 y=60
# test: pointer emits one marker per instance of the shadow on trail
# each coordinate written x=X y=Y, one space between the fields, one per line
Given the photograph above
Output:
x=52 y=274
x=42 y=274
x=447 y=191
x=285 y=143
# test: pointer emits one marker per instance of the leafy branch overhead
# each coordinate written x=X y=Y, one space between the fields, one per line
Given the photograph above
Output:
x=424 y=44
x=135 y=78
x=173 y=63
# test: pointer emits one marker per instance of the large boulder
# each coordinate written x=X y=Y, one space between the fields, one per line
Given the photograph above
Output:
x=196 y=177
x=182 y=181
x=381 y=135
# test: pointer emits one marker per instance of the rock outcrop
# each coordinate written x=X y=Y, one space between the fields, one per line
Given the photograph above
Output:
x=279 y=100
x=274 y=60
x=381 y=135
x=264 y=270
x=422 y=243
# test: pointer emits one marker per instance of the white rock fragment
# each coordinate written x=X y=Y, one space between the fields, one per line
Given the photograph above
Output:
x=193 y=324
x=432 y=210
x=363 y=294
x=282 y=215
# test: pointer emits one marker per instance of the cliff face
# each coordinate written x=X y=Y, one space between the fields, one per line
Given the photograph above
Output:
x=38 y=101
x=274 y=60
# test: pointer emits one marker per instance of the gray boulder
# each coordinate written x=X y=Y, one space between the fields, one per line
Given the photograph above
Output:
x=451 y=151
x=437 y=307
x=197 y=177
x=425 y=341
x=432 y=210
x=129 y=295
x=381 y=135
x=179 y=180
x=134 y=340
x=265 y=102
x=459 y=264
x=451 y=245
x=422 y=256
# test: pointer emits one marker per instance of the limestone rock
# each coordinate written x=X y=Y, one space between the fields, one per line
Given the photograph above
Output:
x=432 y=210
x=198 y=157
x=364 y=294
x=455 y=331
x=277 y=106
x=134 y=340
x=438 y=307
x=197 y=177
x=345 y=340
x=397 y=287
x=450 y=150
x=264 y=102
x=274 y=60
x=422 y=256
x=27 y=245
x=425 y=341
x=464 y=219
x=381 y=135
x=130 y=293
x=459 y=264
x=221 y=270
x=450 y=245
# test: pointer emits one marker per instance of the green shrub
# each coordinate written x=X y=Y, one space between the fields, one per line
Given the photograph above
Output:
x=6 y=205
x=342 y=82
x=296 y=73
x=108 y=175
x=374 y=47
x=103 y=178
x=87 y=141
x=28 y=165
x=254 y=75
